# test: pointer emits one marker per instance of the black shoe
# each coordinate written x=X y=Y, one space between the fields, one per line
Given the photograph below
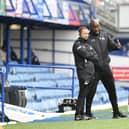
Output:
x=86 y=117
x=91 y=116
x=119 y=115
x=78 y=117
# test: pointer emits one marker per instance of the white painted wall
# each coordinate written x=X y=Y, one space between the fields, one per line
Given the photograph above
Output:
x=64 y=39
x=124 y=16
x=42 y=39
x=119 y=61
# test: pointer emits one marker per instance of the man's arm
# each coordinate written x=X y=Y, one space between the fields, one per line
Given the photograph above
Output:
x=88 y=53
x=112 y=45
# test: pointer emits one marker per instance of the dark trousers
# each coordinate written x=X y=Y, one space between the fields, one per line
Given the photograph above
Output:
x=107 y=79
x=83 y=92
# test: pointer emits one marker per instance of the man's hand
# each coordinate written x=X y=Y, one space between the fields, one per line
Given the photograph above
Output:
x=118 y=44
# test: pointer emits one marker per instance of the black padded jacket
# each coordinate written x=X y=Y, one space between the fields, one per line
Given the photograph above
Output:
x=85 y=59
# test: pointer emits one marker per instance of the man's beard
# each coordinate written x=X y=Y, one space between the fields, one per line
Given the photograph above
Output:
x=96 y=33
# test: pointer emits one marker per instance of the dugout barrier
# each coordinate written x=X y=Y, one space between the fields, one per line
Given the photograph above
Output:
x=2 y=75
x=12 y=67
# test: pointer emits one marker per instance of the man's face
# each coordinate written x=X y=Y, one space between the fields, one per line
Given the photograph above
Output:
x=84 y=34
x=95 y=27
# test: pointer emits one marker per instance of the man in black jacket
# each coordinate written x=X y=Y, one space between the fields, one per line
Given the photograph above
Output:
x=85 y=59
x=102 y=43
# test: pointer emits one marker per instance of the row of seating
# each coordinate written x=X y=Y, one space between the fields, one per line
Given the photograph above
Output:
x=61 y=83
x=42 y=99
x=20 y=70
x=40 y=93
x=38 y=98
x=48 y=100
x=45 y=100
x=40 y=79
x=37 y=76
x=102 y=96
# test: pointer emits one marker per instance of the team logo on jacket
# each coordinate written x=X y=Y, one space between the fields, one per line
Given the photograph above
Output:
x=91 y=48
x=101 y=38
x=80 y=47
x=92 y=40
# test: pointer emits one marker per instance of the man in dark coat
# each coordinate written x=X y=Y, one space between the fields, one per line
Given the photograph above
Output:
x=85 y=59
x=102 y=43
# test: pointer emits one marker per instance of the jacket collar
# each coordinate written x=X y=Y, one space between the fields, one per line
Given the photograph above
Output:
x=82 y=40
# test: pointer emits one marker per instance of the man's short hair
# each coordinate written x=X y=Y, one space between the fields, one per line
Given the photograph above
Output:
x=94 y=21
x=81 y=28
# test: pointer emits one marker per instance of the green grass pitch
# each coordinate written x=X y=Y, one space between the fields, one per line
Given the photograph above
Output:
x=122 y=123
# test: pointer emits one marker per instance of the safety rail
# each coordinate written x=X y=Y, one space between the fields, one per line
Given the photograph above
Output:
x=69 y=67
x=72 y=68
x=2 y=72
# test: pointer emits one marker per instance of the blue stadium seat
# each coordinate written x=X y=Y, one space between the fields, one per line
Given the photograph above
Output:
x=21 y=70
x=66 y=82
x=30 y=70
x=45 y=76
x=1 y=62
x=13 y=62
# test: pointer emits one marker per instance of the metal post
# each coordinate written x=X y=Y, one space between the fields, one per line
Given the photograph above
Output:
x=8 y=43
x=29 y=46
x=93 y=3
x=2 y=94
x=8 y=48
x=22 y=45
x=73 y=88
x=1 y=34
x=83 y=15
x=53 y=46
x=92 y=13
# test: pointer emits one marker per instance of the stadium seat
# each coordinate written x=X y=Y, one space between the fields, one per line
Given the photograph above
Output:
x=13 y=62
x=1 y=62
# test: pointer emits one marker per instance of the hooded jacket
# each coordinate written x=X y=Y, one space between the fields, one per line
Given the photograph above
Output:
x=103 y=44
x=85 y=59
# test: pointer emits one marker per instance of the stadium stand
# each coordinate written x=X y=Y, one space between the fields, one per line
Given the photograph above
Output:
x=41 y=99
x=41 y=85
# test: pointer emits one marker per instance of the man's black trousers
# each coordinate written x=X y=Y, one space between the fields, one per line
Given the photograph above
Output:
x=106 y=76
x=83 y=92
